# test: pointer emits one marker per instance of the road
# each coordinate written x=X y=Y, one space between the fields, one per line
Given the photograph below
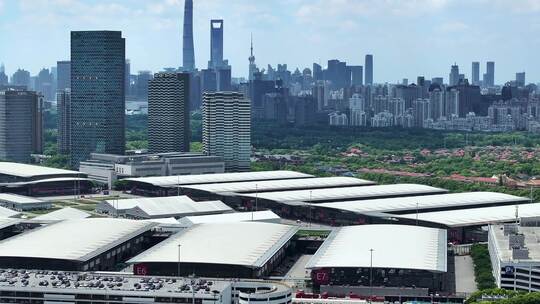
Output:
x=465 y=275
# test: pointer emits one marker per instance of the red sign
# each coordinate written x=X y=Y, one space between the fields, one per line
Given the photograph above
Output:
x=320 y=276
x=140 y=269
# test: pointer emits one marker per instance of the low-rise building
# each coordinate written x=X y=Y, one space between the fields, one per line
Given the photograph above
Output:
x=160 y=207
x=76 y=245
x=28 y=286
x=108 y=168
x=234 y=250
x=22 y=203
x=515 y=255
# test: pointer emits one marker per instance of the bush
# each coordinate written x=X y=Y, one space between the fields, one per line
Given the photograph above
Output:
x=482 y=267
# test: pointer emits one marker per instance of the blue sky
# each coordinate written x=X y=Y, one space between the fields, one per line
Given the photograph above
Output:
x=407 y=38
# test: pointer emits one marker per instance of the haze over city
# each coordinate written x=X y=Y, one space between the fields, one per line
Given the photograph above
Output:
x=270 y=151
x=407 y=38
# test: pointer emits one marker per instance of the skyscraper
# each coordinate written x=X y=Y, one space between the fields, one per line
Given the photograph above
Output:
x=63 y=106
x=216 y=44
x=44 y=84
x=21 y=78
x=63 y=70
x=357 y=75
x=97 y=94
x=21 y=130
x=454 y=75
x=520 y=79
x=252 y=66
x=475 y=75
x=188 y=47
x=226 y=128
x=127 y=77
x=217 y=66
x=489 y=76
x=369 y=69
x=168 y=113
x=317 y=72
x=4 y=79
x=141 y=85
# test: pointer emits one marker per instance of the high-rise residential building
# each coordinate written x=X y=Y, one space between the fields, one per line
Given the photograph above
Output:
x=21 y=125
x=63 y=106
x=227 y=128
x=520 y=79
x=454 y=75
x=369 y=69
x=188 y=49
x=489 y=76
x=475 y=75
x=462 y=99
x=21 y=78
x=357 y=75
x=63 y=78
x=168 y=113
x=97 y=94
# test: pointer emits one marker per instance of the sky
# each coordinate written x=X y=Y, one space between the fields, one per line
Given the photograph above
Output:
x=407 y=37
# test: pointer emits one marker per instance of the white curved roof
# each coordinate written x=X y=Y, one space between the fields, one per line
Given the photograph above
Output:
x=19 y=199
x=477 y=216
x=166 y=206
x=394 y=246
x=25 y=170
x=412 y=203
x=272 y=185
x=248 y=244
x=363 y=192
x=260 y=216
x=78 y=240
x=171 y=181
x=6 y=212
x=6 y=222
x=67 y=213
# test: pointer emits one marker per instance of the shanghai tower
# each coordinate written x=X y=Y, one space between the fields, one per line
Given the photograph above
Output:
x=188 y=49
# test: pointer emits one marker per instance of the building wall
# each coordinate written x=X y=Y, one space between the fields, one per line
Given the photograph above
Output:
x=168 y=113
x=227 y=129
x=21 y=129
x=97 y=94
x=63 y=106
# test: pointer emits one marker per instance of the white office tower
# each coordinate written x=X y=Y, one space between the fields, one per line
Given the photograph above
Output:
x=227 y=129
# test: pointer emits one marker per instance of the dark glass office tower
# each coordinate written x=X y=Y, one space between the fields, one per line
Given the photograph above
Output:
x=369 y=69
x=97 y=94
x=475 y=75
x=216 y=44
x=188 y=48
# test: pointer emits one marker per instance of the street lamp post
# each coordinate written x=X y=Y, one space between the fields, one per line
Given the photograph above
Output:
x=309 y=206
x=256 y=199
x=179 y=260
x=370 y=274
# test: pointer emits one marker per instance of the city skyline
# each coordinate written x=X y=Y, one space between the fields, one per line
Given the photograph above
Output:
x=433 y=34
